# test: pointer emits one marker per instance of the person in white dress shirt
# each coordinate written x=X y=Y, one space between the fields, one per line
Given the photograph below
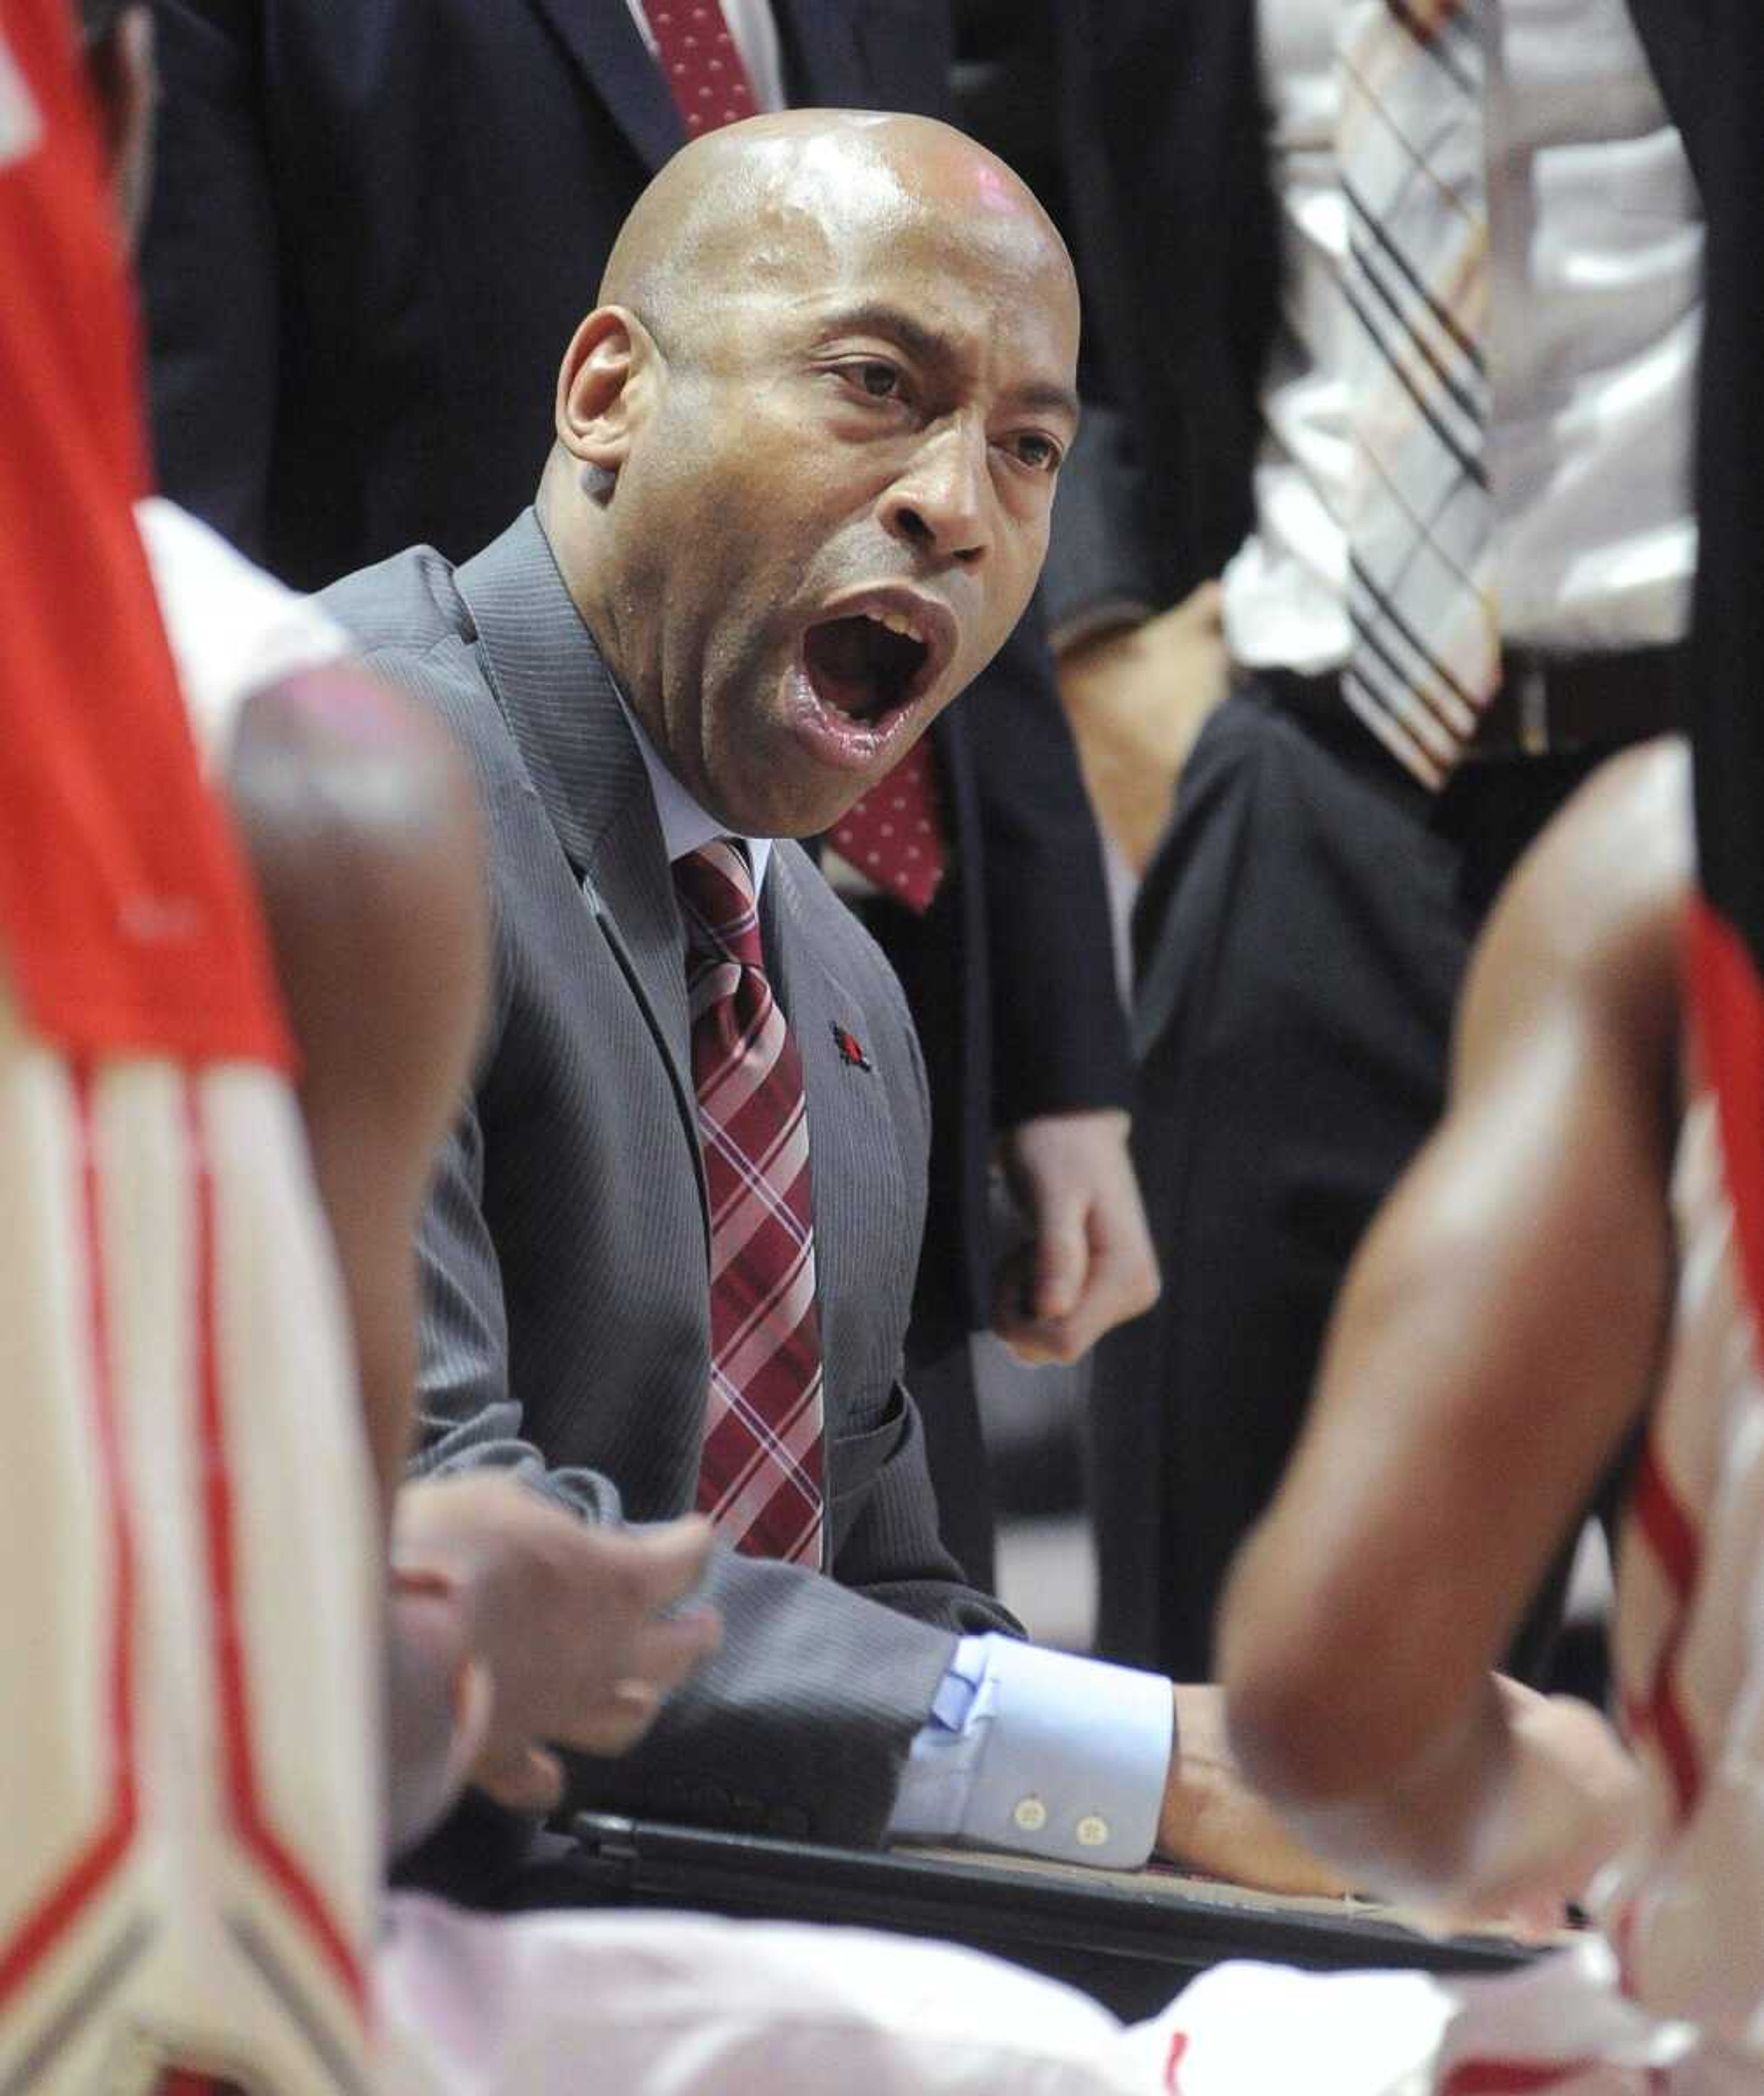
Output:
x=1303 y=930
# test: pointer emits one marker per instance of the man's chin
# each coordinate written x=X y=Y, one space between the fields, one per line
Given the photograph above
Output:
x=802 y=770
x=795 y=819
x=792 y=796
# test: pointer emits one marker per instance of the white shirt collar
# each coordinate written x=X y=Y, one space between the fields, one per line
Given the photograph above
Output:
x=685 y=827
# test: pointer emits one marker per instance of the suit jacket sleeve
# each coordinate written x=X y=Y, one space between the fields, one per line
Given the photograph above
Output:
x=800 y=1724
x=1102 y=564
x=208 y=266
x=1060 y=1040
x=467 y=1415
x=1162 y=132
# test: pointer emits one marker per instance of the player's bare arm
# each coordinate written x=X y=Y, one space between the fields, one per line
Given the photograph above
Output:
x=1496 y=1339
x=363 y=836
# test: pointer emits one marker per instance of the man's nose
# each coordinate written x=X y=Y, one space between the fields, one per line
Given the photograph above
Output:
x=939 y=503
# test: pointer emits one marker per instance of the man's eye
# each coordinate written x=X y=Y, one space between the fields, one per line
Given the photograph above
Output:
x=1040 y=452
x=880 y=381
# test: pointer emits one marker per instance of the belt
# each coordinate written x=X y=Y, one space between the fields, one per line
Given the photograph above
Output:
x=1545 y=704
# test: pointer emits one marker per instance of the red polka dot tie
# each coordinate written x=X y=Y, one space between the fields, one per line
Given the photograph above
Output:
x=701 y=63
x=894 y=835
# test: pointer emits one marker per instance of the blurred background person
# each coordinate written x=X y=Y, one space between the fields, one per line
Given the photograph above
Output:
x=1399 y=315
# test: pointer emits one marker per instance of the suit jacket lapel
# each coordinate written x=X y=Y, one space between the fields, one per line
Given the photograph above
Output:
x=828 y=62
x=605 y=43
x=858 y=54
x=825 y=67
x=853 y=1147
x=559 y=701
x=629 y=888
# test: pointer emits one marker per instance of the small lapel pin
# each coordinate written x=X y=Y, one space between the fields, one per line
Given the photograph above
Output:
x=850 y=1048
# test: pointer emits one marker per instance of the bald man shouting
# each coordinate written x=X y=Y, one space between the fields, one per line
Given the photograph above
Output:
x=806 y=451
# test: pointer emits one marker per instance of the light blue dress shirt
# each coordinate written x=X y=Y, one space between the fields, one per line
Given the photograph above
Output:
x=1042 y=1752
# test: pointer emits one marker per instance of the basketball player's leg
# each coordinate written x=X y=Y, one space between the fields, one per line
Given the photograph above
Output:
x=192 y=1842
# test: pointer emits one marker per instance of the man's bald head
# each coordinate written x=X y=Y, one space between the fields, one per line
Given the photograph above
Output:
x=806 y=451
x=756 y=204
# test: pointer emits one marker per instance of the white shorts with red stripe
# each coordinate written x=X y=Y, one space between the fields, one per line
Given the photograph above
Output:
x=190 y=1836
x=1559 y=2028
x=686 y=2005
x=1685 y=1908
x=683 y=2005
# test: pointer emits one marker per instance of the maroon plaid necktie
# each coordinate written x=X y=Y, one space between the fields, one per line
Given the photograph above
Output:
x=701 y=63
x=760 y=1474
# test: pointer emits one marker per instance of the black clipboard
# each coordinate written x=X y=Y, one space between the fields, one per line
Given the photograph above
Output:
x=1129 y=1939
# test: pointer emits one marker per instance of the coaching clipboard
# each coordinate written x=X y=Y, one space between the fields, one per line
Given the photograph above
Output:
x=1128 y=1938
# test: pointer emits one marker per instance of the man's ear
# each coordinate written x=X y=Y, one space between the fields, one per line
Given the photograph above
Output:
x=605 y=387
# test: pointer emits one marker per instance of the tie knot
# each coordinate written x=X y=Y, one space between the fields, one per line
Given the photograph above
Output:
x=715 y=886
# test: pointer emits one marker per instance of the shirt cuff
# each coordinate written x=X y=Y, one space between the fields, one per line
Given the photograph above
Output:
x=1108 y=615
x=1040 y=1752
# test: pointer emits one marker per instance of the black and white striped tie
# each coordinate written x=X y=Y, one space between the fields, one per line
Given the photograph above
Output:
x=1412 y=152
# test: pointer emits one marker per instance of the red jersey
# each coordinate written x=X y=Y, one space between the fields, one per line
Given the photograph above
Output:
x=125 y=922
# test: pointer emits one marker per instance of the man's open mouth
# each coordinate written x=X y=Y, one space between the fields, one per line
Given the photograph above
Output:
x=868 y=664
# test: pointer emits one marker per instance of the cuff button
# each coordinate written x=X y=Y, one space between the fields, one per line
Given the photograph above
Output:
x=1030 y=1814
x=1093 y=1831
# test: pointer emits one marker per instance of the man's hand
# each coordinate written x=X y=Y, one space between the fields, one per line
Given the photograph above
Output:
x=1137 y=696
x=565 y=1620
x=438 y=1705
x=1574 y=1797
x=1087 y=1262
x=1213 y=1821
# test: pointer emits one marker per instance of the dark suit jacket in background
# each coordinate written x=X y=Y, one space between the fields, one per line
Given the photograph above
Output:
x=376 y=225
x=566 y=1327
x=1728 y=719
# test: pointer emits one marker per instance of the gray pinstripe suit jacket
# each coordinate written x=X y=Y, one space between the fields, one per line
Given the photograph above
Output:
x=567 y=1313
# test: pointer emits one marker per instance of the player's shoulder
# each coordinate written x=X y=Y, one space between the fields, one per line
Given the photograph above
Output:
x=405 y=604
x=1636 y=811
x=232 y=629
x=1591 y=927
x=411 y=626
x=1615 y=867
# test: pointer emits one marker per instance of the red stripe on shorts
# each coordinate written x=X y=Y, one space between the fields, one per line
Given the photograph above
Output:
x=259 y=1840
x=47 y=1923
x=1509 y=2077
